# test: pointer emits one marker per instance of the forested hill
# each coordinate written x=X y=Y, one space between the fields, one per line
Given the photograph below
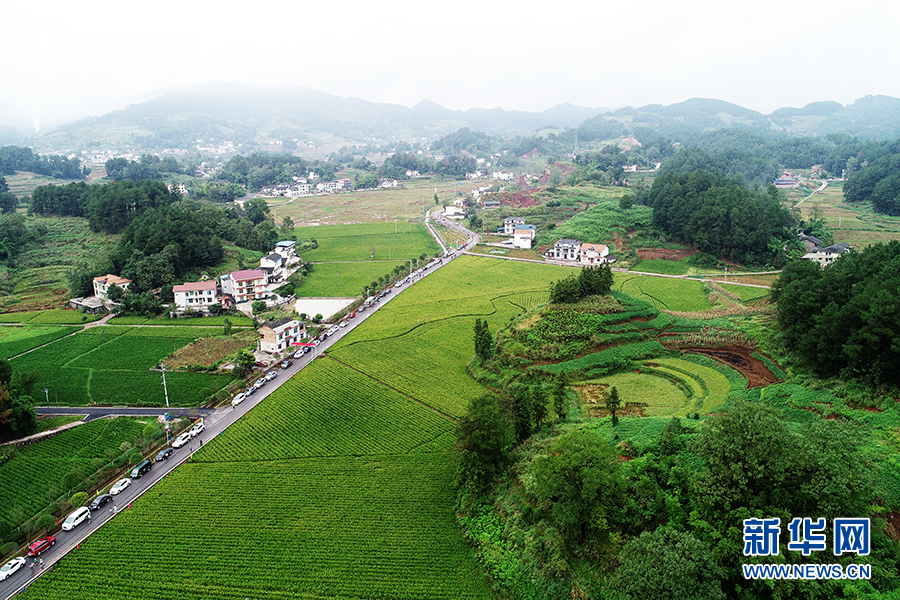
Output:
x=218 y=112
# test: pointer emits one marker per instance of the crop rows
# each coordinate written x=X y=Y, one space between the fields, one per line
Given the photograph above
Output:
x=49 y=317
x=112 y=367
x=27 y=478
x=129 y=353
x=211 y=321
x=16 y=340
x=328 y=409
x=372 y=527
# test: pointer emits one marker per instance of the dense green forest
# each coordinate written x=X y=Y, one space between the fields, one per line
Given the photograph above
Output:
x=844 y=321
x=721 y=216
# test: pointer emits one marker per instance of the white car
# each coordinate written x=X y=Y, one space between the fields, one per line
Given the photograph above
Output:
x=78 y=516
x=238 y=399
x=11 y=567
x=343 y=324
x=119 y=486
x=197 y=429
x=271 y=375
x=298 y=353
x=182 y=439
x=333 y=330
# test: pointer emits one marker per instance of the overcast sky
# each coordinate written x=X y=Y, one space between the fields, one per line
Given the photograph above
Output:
x=516 y=55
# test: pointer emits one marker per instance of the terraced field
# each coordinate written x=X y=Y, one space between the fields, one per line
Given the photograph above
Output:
x=665 y=293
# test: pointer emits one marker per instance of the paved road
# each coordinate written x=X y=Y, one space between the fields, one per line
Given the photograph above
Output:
x=216 y=423
x=98 y=412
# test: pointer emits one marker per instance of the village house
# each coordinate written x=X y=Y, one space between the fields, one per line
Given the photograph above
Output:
x=178 y=188
x=103 y=284
x=287 y=250
x=388 y=183
x=503 y=175
x=276 y=336
x=454 y=212
x=491 y=204
x=196 y=295
x=522 y=237
x=826 y=256
x=273 y=266
x=594 y=254
x=509 y=224
x=564 y=249
x=246 y=285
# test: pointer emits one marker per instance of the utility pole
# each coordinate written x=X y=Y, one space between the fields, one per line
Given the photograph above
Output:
x=47 y=394
x=165 y=388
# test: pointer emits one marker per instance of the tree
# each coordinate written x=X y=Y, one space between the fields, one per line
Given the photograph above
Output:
x=539 y=404
x=577 y=485
x=523 y=410
x=258 y=306
x=612 y=404
x=115 y=293
x=484 y=343
x=482 y=443
x=245 y=360
x=560 y=396
x=666 y=564
x=226 y=330
x=257 y=210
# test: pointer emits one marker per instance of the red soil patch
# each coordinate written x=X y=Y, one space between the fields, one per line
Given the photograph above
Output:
x=738 y=357
x=621 y=245
x=516 y=199
x=665 y=253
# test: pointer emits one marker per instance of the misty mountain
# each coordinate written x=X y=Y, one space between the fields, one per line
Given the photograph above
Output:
x=871 y=117
x=253 y=117
x=220 y=112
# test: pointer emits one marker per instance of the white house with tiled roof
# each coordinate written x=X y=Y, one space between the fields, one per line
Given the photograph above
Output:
x=196 y=295
x=564 y=249
x=593 y=254
x=523 y=236
x=103 y=284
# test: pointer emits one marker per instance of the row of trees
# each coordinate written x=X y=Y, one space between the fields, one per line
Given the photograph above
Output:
x=590 y=281
x=149 y=166
x=8 y=200
x=721 y=216
x=14 y=158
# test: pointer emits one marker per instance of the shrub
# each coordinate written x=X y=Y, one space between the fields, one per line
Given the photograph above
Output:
x=77 y=499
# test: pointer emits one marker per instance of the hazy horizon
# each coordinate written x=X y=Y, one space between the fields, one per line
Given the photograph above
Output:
x=521 y=56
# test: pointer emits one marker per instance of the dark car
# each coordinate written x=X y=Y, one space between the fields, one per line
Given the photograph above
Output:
x=100 y=501
x=163 y=454
x=286 y=363
x=42 y=545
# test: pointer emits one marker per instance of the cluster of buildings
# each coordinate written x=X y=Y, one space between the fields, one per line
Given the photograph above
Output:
x=306 y=187
x=521 y=233
x=570 y=250
x=232 y=288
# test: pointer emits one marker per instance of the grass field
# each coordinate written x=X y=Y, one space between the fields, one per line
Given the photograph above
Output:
x=663 y=292
x=343 y=279
x=360 y=206
x=856 y=224
x=665 y=267
x=387 y=241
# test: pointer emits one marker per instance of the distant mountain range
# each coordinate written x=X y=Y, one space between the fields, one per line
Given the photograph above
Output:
x=253 y=117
